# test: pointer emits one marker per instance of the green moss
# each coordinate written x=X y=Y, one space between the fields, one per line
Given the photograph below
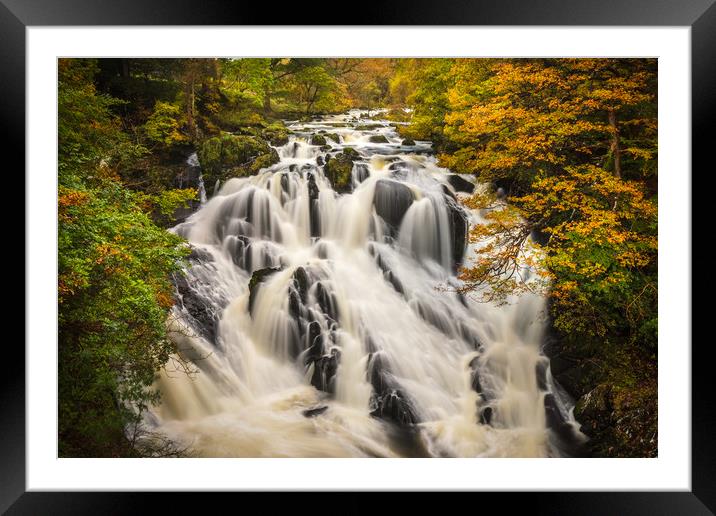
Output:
x=317 y=139
x=339 y=169
x=378 y=138
x=228 y=155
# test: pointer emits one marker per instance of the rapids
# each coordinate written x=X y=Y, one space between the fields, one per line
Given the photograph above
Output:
x=327 y=325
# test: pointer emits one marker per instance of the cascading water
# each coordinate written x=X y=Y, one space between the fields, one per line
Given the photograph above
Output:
x=326 y=324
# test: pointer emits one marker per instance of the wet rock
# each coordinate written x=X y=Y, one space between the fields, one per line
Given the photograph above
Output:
x=315 y=411
x=318 y=139
x=351 y=153
x=257 y=278
x=301 y=283
x=319 y=161
x=339 y=170
x=392 y=200
x=541 y=374
x=458 y=231
x=368 y=127
x=388 y=401
x=393 y=406
x=326 y=301
x=361 y=172
x=205 y=318
x=557 y=422
x=324 y=371
x=408 y=142
x=314 y=213
x=378 y=138
x=460 y=184
x=485 y=416
x=389 y=275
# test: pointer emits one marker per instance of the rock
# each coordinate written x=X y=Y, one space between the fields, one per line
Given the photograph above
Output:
x=257 y=278
x=201 y=310
x=324 y=371
x=362 y=172
x=391 y=201
x=351 y=153
x=315 y=411
x=460 y=184
x=228 y=155
x=334 y=137
x=317 y=139
x=393 y=406
x=314 y=213
x=368 y=127
x=388 y=401
x=378 y=138
x=558 y=423
x=339 y=170
x=458 y=231
x=319 y=161
x=408 y=142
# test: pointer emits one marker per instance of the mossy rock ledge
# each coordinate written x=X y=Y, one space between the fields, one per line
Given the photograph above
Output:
x=339 y=169
x=229 y=155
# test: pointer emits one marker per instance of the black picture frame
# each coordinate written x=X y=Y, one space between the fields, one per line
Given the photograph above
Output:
x=700 y=15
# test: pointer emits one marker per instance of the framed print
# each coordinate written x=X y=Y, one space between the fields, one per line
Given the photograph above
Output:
x=419 y=252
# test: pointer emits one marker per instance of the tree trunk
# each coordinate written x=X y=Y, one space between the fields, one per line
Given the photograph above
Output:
x=267 y=101
x=615 y=149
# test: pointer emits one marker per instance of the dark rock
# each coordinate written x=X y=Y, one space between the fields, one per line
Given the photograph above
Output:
x=558 y=423
x=486 y=416
x=324 y=371
x=392 y=200
x=362 y=172
x=388 y=402
x=458 y=231
x=408 y=142
x=314 y=213
x=257 y=278
x=378 y=138
x=315 y=411
x=541 y=373
x=202 y=311
x=327 y=301
x=394 y=407
x=319 y=161
x=460 y=184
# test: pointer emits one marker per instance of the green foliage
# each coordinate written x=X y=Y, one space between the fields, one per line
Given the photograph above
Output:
x=113 y=293
x=164 y=124
x=114 y=267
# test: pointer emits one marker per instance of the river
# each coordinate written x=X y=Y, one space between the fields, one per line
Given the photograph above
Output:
x=352 y=340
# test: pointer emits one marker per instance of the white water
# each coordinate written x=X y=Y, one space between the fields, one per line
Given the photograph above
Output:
x=381 y=301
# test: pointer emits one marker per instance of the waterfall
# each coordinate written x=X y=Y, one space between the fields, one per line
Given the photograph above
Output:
x=328 y=325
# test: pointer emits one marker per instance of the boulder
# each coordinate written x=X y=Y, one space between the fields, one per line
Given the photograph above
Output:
x=339 y=170
x=391 y=201
x=460 y=184
x=378 y=138
x=408 y=142
x=318 y=139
